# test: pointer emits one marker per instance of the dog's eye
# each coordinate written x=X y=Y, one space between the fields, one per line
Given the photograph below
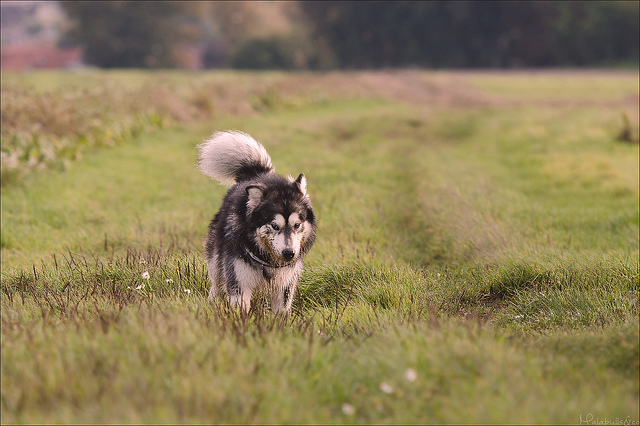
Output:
x=297 y=226
x=275 y=226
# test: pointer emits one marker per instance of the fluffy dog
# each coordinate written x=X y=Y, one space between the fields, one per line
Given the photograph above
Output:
x=264 y=227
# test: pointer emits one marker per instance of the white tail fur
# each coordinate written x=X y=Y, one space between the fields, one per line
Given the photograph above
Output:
x=232 y=155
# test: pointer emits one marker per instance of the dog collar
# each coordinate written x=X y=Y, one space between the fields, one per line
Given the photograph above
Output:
x=262 y=262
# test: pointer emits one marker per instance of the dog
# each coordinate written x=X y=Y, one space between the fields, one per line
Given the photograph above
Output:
x=264 y=227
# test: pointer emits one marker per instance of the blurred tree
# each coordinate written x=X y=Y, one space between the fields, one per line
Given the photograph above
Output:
x=255 y=35
x=294 y=51
x=378 y=34
x=356 y=34
x=140 y=34
x=599 y=32
x=264 y=53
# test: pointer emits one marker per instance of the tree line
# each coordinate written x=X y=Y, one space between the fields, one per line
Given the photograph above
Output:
x=360 y=34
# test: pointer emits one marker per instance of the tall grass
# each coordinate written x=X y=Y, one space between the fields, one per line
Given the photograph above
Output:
x=366 y=343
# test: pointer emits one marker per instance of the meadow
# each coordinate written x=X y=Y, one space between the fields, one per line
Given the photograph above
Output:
x=477 y=258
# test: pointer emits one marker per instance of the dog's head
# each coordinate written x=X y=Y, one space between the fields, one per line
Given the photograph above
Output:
x=281 y=214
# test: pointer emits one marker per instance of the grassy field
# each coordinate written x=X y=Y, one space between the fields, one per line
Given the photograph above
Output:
x=477 y=258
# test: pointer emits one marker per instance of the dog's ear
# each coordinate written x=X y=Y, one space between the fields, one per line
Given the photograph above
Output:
x=255 y=193
x=302 y=183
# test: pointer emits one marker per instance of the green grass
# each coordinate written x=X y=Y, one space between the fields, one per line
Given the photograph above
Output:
x=476 y=262
x=596 y=85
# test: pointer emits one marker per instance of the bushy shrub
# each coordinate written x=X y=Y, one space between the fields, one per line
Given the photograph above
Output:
x=292 y=52
x=265 y=53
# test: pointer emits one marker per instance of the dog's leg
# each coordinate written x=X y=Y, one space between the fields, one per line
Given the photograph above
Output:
x=212 y=271
x=242 y=279
x=283 y=291
x=239 y=297
x=277 y=299
x=282 y=298
x=213 y=292
x=243 y=300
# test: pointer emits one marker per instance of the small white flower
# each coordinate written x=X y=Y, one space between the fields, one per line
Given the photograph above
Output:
x=518 y=316
x=348 y=409
x=145 y=275
x=386 y=388
x=410 y=375
x=169 y=281
x=188 y=291
x=142 y=261
x=140 y=287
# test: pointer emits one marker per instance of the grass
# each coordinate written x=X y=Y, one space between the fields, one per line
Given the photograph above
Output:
x=476 y=261
x=562 y=84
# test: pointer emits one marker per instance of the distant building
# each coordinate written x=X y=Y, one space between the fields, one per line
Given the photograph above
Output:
x=26 y=56
x=29 y=34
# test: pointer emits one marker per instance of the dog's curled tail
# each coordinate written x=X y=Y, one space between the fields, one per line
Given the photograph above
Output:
x=233 y=156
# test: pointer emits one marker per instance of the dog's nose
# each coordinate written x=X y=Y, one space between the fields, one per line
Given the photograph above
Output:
x=288 y=254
